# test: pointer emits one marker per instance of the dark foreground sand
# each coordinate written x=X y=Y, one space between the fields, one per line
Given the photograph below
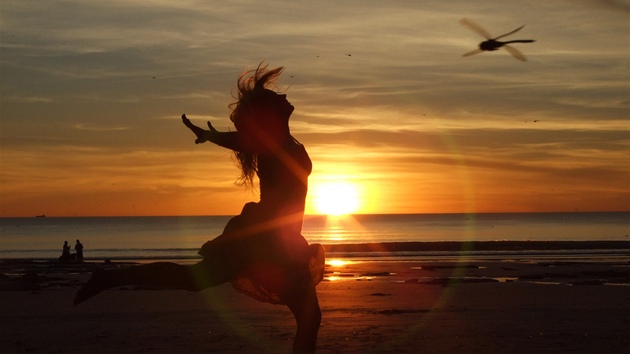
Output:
x=438 y=306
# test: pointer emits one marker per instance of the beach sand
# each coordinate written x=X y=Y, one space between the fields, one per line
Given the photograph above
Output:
x=387 y=306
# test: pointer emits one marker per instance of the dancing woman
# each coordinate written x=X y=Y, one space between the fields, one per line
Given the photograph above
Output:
x=261 y=251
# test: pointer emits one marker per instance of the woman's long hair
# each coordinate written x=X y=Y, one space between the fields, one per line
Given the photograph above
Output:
x=250 y=86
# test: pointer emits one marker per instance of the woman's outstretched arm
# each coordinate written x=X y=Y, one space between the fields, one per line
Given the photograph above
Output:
x=229 y=140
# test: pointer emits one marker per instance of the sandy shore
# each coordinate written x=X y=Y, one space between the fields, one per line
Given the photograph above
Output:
x=438 y=306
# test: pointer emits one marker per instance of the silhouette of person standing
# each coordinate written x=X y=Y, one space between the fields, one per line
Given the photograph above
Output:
x=65 y=253
x=78 y=247
x=261 y=251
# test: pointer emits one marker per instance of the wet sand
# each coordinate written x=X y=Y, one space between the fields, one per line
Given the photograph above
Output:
x=509 y=305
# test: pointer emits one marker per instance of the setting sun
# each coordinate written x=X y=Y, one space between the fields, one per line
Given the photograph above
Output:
x=336 y=198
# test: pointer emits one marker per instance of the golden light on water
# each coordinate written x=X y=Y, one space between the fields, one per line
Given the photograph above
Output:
x=342 y=228
x=336 y=262
x=338 y=272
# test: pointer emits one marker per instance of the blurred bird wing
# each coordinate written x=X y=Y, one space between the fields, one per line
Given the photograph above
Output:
x=472 y=52
x=475 y=27
x=515 y=53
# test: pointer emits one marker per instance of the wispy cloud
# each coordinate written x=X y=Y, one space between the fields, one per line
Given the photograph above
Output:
x=86 y=126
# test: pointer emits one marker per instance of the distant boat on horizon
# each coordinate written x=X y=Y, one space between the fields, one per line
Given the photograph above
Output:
x=40 y=216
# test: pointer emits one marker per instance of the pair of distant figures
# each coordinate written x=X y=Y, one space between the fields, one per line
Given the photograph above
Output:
x=67 y=257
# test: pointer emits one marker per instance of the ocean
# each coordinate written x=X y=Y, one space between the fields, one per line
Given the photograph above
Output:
x=179 y=237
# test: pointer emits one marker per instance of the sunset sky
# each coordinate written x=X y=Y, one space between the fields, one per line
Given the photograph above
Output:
x=92 y=93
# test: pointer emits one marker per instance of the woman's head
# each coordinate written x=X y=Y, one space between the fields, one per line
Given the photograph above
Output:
x=259 y=112
x=261 y=115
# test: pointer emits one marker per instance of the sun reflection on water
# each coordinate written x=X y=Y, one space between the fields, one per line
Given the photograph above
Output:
x=335 y=262
x=337 y=272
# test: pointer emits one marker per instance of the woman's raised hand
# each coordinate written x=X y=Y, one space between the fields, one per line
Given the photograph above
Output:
x=201 y=134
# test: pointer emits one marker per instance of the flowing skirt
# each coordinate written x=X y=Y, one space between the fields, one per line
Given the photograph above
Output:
x=267 y=262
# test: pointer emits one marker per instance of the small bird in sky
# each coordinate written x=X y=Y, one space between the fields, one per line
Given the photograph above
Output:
x=492 y=44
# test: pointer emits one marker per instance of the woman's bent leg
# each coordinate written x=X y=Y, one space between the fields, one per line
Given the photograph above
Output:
x=308 y=315
x=160 y=274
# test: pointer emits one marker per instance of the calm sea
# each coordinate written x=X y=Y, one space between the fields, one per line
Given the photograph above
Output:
x=137 y=238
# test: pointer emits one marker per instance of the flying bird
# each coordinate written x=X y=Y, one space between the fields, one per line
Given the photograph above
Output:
x=492 y=44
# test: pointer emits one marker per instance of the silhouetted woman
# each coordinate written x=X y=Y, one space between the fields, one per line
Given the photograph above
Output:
x=65 y=253
x=261 y=251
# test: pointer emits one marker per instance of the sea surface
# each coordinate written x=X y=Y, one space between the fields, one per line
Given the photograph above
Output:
x=179 y=237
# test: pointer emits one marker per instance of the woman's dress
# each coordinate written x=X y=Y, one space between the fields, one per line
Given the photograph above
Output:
x=263 y=247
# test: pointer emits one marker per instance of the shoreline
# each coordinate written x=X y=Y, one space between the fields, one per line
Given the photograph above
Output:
x=410 y=250
x=600 y=269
